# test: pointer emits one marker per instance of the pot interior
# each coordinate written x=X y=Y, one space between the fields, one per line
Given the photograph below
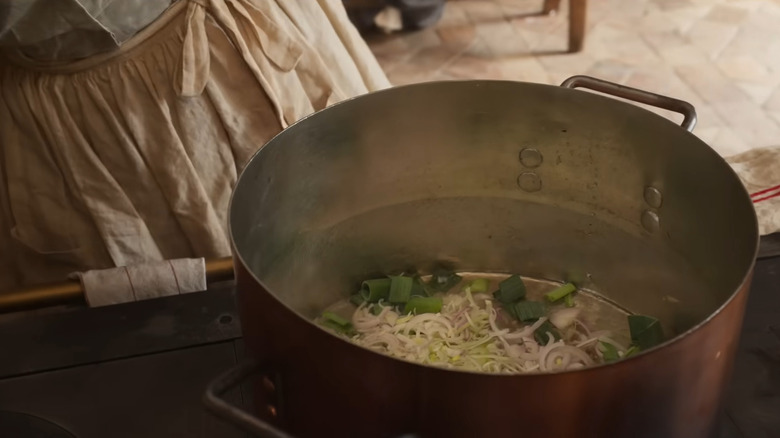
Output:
x=501 y=177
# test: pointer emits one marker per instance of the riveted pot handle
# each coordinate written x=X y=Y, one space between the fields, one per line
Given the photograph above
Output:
x=231 y=378
x=646 y=97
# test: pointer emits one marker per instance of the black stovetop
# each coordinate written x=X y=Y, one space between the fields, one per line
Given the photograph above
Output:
x=140 y=369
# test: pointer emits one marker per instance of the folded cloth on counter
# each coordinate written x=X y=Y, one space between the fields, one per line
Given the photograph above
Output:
x=125 y=284
x=759 y=170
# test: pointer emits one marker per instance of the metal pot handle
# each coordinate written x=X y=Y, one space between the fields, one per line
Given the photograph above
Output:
x=220 y=407
x=214 y=402
x=646 y=97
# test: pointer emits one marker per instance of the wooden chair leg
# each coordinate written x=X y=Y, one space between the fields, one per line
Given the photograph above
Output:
x=577 y=19
x=551 y=5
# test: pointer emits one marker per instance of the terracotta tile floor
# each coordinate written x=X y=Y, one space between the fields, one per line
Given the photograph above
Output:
x=723 y=56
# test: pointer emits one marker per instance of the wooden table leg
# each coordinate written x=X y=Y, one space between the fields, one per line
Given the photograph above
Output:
x=551 y=5
x=577 y=19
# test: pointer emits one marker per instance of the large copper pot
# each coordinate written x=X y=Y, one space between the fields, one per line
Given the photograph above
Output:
x=550 y=182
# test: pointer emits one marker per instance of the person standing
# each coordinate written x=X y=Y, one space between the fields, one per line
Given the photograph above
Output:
x=125 y=123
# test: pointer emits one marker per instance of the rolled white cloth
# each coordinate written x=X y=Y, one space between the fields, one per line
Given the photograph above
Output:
x=104 y=287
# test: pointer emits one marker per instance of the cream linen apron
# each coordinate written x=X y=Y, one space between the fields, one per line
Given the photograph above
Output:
x=130 y=156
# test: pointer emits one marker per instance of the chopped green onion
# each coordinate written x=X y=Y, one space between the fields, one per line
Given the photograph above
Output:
x=338 y=323
x=400 y=289
x=348 y=330
x=377 y=289
x=376 y=309
x=511 y=310
x=442 y=281
x=646 y=331
x=541 y=334
x=418 y=287
x=510 y=290
x=528 y=310
x=357 y=299
x=479 y=285
x=560 y=292
x=569 y=300
x=632 y=350
x=423 y=305
x=609 y=351
x=336 y=319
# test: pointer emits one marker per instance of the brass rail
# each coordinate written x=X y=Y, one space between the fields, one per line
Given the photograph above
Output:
x=71 y=292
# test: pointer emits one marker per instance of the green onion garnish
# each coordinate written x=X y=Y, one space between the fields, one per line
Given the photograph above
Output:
x=357 y=299
x=646 y=331
x=376 y=289
x=632 y=350
x=510 y=309
x=376 y=309
x=479 y=285
x=400 y=289
x=442 y=281
x=528 y=310
x=609 y=352
x=336 y=319
x=560 y=292
x=510 y=290
x=418 y=287
x=423 y=305
x=344 y=330
x=338 y=323
x=569 y=300
x=541 y=334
